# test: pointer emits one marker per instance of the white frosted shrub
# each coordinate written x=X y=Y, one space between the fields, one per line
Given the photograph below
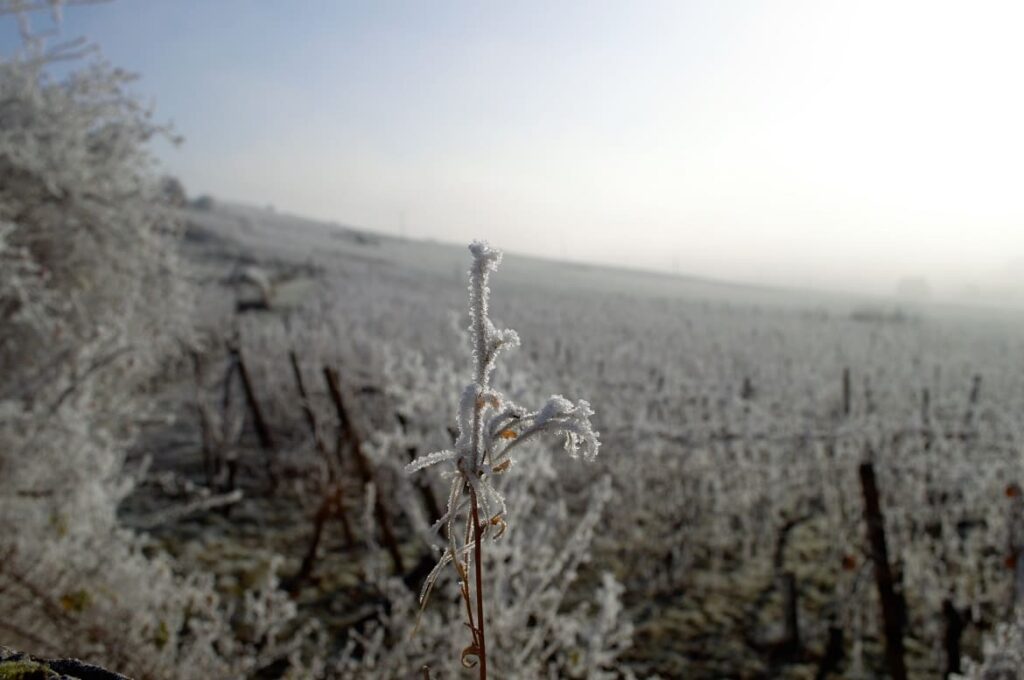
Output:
x=90 y=309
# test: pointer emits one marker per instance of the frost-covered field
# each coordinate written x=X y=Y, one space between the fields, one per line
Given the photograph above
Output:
x=725 y=495
x=240 y=444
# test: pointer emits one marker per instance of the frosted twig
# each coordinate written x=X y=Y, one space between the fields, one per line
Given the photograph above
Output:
x=490 y=428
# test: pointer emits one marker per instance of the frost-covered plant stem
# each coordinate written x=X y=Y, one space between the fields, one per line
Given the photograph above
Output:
x=483 y=356
x=490 y=428
x=479 y=570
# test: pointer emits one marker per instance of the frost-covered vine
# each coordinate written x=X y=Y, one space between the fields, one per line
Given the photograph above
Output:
x=491 y=427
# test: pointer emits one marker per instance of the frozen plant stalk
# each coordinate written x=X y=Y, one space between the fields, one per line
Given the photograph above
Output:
x=490 y=428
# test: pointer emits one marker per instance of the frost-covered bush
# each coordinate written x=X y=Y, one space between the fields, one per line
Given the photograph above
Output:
x=92 y=309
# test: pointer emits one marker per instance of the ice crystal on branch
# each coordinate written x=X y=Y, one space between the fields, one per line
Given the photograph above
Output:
x=490 y=425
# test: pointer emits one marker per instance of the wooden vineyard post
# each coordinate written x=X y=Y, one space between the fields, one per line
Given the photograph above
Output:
x=347 y=430
x=747 y=390
x=330 y=506
x=926 y=418
x=972 y=403
x=975 y=389
x=262 y=431
x=307 y=411
x=333 y=503
x=892 y=613
x=790 y=646
x=205 y=428
x=833 y=655
x=846 y=391
x=954 y=628
x=226 y=464
x=258 y=421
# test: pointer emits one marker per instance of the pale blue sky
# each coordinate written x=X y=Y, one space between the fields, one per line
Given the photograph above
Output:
x=803 y=143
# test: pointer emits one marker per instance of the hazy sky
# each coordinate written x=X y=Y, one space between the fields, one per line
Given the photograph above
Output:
x=835 y=144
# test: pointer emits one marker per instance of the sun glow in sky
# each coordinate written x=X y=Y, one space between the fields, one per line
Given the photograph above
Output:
x=818 y=143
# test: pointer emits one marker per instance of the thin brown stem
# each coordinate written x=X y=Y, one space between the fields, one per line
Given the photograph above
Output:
x=479 y=568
